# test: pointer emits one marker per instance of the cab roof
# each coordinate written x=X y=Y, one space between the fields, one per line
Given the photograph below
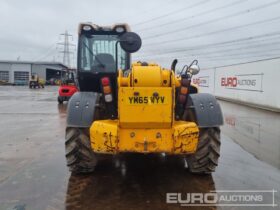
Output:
x=95 y=27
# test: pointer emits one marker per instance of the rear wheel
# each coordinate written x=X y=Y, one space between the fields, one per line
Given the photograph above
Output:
x=205 y=159
x=79 y=155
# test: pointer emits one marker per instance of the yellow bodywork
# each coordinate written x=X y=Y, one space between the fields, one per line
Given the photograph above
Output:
x=108 y=137
x=146 y=122
x=145 y=110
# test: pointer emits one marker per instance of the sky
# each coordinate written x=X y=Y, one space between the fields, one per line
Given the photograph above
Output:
x=215 y=32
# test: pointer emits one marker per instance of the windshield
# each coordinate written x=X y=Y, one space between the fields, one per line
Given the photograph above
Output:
x=97 y=53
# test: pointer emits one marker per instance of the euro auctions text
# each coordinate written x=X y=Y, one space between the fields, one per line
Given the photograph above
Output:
x=224 y=198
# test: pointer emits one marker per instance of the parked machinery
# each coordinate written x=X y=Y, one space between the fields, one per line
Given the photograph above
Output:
x=36 y=82
x=67 y=88
x=143 y=108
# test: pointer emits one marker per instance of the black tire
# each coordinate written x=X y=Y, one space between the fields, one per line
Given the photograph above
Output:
x=60 y=100
x=79 y=156
x=205 y=159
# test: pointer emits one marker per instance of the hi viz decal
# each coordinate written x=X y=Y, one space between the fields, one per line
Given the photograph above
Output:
x=146 y=100
x=247 y=82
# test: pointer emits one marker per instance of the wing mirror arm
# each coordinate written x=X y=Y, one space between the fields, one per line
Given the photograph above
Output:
x=193 y=68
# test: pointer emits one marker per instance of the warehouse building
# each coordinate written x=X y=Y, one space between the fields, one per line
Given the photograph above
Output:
x=19 y=72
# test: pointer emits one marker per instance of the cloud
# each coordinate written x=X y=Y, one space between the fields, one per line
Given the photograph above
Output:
x=31 y=27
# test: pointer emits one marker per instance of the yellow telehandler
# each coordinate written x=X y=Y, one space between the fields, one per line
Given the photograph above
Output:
x=136 y=108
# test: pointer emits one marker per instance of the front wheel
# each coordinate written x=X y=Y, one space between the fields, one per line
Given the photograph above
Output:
x=205 y=159
x=79 y=156
x=60 y=100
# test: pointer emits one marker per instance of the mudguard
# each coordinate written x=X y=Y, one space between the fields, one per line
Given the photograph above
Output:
x=204 y=110
x=80 y=111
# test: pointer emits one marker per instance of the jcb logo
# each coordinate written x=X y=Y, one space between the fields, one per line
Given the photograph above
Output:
x=146 y=100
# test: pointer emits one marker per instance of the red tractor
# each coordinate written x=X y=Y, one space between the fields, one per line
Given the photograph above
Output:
x=66 y=90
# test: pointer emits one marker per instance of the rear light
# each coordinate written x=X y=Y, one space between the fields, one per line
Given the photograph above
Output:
x=184 y=90
x=105 y=81
x=107 y=89
x=108 y=98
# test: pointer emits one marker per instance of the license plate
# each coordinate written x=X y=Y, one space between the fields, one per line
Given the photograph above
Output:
x=146 y=100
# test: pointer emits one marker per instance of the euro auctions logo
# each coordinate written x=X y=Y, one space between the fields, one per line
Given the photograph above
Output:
x=224 y=198
x=247 y=82
x=201 y=81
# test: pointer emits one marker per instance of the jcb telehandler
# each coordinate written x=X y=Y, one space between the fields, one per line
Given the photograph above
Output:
x=138 y=108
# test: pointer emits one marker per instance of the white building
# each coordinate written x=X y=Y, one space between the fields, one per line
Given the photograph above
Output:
x=19 y=72
x=254 y=83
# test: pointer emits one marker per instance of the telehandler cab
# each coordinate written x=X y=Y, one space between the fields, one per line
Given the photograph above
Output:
x=138 y=108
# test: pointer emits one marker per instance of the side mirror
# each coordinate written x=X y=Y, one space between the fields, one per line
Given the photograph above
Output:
x=130 y=42
x=194 y=69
